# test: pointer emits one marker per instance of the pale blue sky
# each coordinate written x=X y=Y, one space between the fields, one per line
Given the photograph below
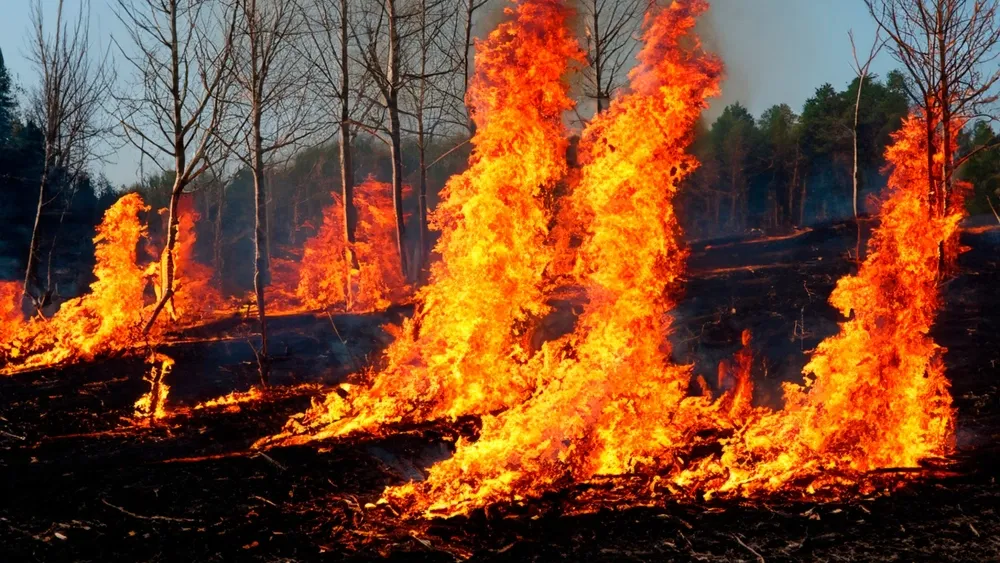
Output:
x=775 y=50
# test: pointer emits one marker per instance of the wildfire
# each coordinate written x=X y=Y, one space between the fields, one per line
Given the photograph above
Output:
x=876 y=395
x=153 y=405
x=610 y=405
x=327 y=278
x=465 y=350
x=107 y=319
x=195 y=297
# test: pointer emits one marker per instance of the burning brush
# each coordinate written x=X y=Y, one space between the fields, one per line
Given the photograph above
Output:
x=607 y=400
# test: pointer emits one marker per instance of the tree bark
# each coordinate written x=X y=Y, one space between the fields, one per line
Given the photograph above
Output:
x=29 y=269
x=395 y=133
x=346 y=163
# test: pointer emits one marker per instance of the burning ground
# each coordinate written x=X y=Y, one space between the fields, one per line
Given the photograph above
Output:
x=74 y=465
x=571 y=363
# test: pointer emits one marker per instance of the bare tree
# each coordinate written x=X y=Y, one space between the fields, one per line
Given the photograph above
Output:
x=173 y=111
x=275 y=114
x=610 y=27
x=427 y=88
x=67 y=103
x=861 y=68
x=949 y=48
x=462 y=49
x=379 y=38
x=330 y=57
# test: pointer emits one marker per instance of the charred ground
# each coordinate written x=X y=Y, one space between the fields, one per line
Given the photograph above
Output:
x=83 y=482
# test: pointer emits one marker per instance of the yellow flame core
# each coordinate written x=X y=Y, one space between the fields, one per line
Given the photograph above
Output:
x=107 y=319
x=610 y=408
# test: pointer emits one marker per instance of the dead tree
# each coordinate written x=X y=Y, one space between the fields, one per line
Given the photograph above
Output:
x=861 y=69
x=330 y=57
x=180 y=57
x=379 y=38
x=427 y=88
x=67 y=103
x=949 y=49
x=462 y=49
x=610 y=27
x=273 y=112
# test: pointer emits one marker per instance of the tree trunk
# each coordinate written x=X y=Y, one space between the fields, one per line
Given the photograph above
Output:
x=802 y=203
x=469 y=9
x=791 y=190
x=424 y=232
x=932 y=188
x=260 y=270
x=346 y=164
x=29 y=270
x=395 y=132
x=165 y=293
x=857 y=111
x=217 y=257
x=598 y=70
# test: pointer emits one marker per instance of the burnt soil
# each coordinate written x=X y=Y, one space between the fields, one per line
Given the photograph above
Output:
x=83 y=481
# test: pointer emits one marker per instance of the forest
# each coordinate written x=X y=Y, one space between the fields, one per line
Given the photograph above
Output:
x=785 y=169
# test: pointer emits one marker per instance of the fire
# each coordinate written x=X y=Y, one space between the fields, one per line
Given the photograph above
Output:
x=611 y=403
x=107 y=319
x=876 y=395
x=233 y=400
x=153 y=405
x=11 y=318
x=326 y=278
x=195 y=296
x=465 y=350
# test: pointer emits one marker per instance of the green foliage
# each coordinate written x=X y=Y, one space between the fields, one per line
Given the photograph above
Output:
x=982 y=169
x=783 y=169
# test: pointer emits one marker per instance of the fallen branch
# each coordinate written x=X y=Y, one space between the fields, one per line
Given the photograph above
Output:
x=271 y=460
x=15 y=436
x=760 y=558
x=990 y=201
x=141 y=517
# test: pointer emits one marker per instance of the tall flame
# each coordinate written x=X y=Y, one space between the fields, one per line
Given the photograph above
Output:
x=610 y=406
x=105 y=320
x=876 y=395
x=464 y=351
x=195 y=296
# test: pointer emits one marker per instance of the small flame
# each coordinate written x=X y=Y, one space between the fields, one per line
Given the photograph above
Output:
x=153 y=404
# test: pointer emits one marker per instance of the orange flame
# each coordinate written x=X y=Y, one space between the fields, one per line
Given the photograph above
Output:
x=464 y=351
x=153 y=404
x=195 y=297
x=610 y=406
x=326 y=277
x=107 y=319
x=876 y=395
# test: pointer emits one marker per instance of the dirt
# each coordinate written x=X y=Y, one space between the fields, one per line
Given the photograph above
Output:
x=84 y=481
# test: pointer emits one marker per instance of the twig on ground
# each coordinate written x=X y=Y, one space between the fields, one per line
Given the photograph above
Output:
x=354 y=363
x=15 y=436
x=262 y=499
x=989 y=200
x=760 y=558
x=271 y=460
x=141 y=517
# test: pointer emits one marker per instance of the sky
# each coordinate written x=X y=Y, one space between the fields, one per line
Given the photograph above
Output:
x=776 y=51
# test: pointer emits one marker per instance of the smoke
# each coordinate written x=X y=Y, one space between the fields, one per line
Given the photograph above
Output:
x=735 y=84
